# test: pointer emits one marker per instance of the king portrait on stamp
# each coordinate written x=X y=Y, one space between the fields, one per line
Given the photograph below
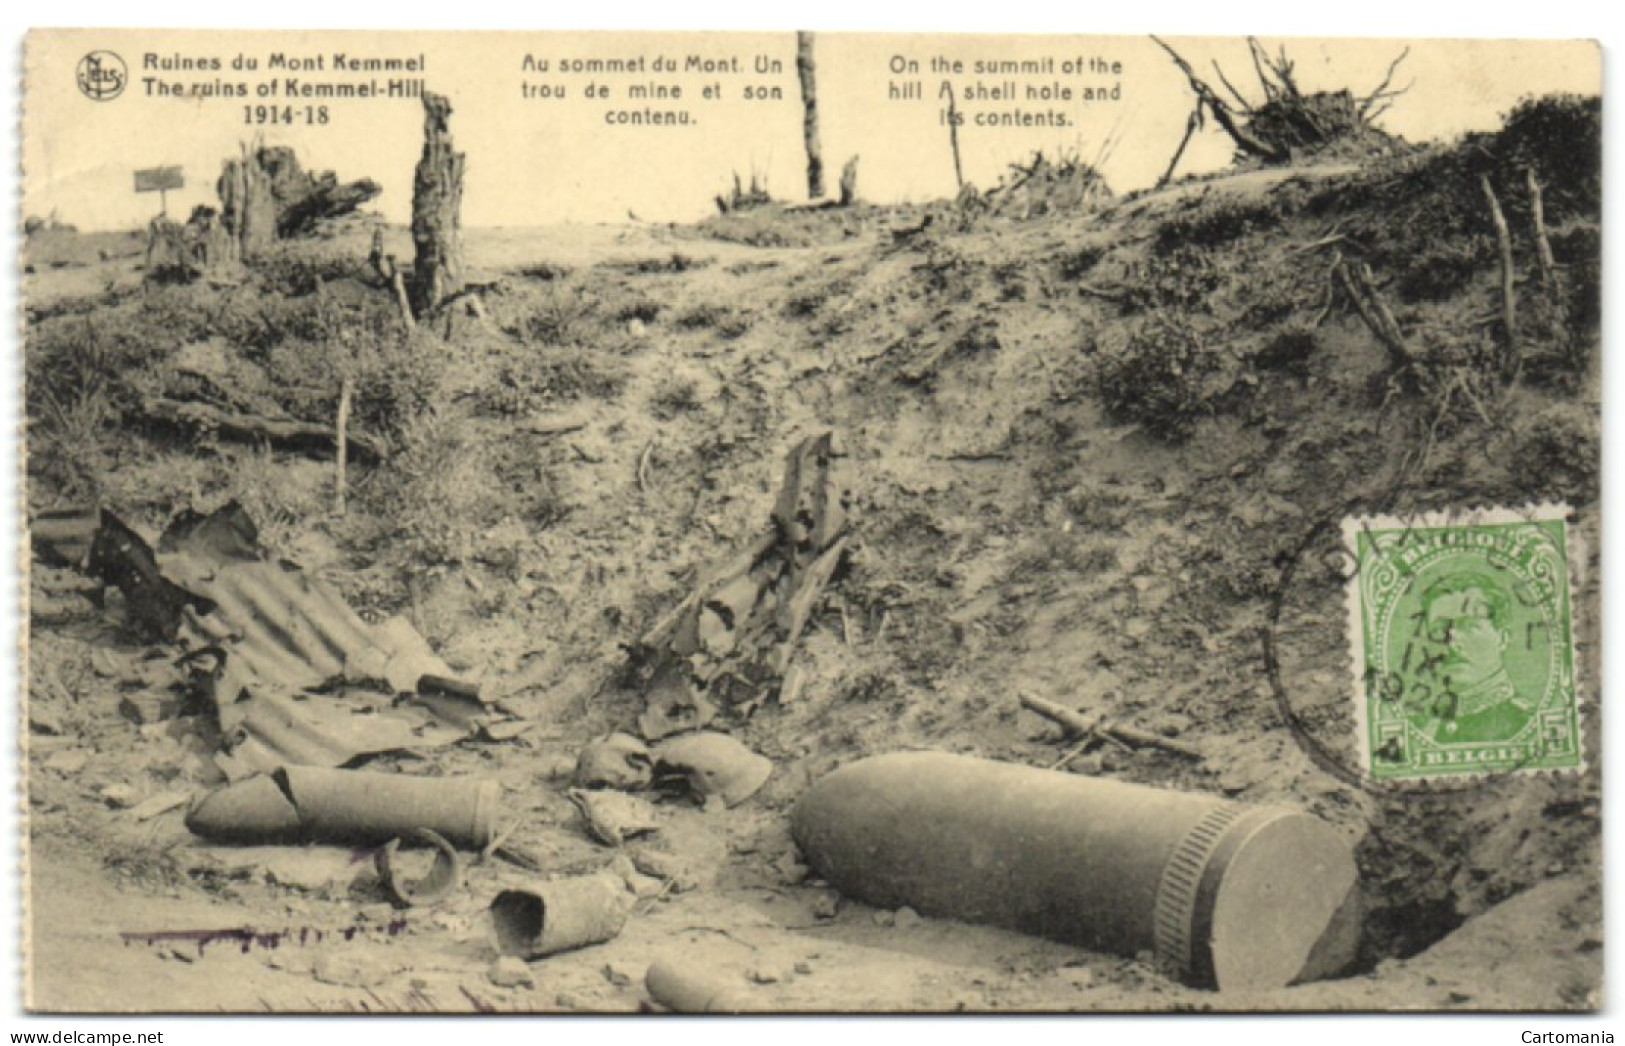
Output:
x=1462 y=642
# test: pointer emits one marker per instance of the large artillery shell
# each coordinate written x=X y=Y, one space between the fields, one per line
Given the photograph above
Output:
x=318 y=804
x=684 y=990
x=560 y=915
x=1222 y=894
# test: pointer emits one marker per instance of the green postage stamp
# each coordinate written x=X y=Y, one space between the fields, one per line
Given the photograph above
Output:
x=1461 y=635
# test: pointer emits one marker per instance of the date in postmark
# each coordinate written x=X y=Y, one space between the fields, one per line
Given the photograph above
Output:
x=1462 y=640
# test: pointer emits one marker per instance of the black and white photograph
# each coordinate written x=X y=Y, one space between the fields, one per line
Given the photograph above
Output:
x=775 y=522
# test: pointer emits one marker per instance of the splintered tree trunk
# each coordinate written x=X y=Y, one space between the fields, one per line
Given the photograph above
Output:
x=247 y=204
x=809 y=121
x=849 y=182
x=437 y=201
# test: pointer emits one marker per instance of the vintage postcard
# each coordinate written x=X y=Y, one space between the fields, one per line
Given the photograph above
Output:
x=810 y=522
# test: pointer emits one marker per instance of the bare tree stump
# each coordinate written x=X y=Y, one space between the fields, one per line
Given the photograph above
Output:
x=247 y=204
x=849 y=182
x=437 y=201
x=265 y=195
x=807 y=70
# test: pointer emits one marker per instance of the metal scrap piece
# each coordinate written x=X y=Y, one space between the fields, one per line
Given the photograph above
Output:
x=614 y=817
x=731 y=641
x=714 y=765
x=295 y=676
x=443 y=877
x=616 y=761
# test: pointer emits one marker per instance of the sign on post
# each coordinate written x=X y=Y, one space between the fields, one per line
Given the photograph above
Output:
x=160 y=180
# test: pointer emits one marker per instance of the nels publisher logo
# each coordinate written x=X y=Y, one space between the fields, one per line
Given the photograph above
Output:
x=102 y=76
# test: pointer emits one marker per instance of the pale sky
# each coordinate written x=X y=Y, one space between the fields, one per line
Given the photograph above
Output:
x=533 y=162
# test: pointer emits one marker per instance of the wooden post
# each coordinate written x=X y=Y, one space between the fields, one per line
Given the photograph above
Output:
x=437 y=201
x=953 y=138
x=341 y=443
x=808 y=73
x=1191 y=126
x=388 y=271
x=1543 y=246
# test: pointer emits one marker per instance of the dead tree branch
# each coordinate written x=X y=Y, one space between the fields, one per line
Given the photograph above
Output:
x=1079 y=725
x=807 y=72
x=1362 y=291
x=255 y=428
x=1381 y=93
x=1240 y=98
x=1192 y=125
x=1253 y=51
x=1274 y=73
x=388 y=271
x=1543 y=245
x=1246 y=142
x=1503 y=237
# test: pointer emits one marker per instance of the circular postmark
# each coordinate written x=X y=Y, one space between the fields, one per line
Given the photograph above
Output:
x=101 y=76
x=1458 y=640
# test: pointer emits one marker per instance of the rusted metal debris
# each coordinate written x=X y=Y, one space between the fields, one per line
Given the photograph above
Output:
x=616 y=761
x=444 y=877
x=712 y=766
x=1223 y=895
x=613 y=817
x=561 y=915
x=302 y=804
x=731 y=641
x=706 y=765
x=293 y=674
x=61 y=537
x=154 y=604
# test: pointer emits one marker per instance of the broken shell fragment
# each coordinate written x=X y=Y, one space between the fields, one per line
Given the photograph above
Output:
x=298 y=804
x=715 y=765
x=684 y=990
x=561 y=915
x=616 y=761
x=614 y=817
x=443 y=877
